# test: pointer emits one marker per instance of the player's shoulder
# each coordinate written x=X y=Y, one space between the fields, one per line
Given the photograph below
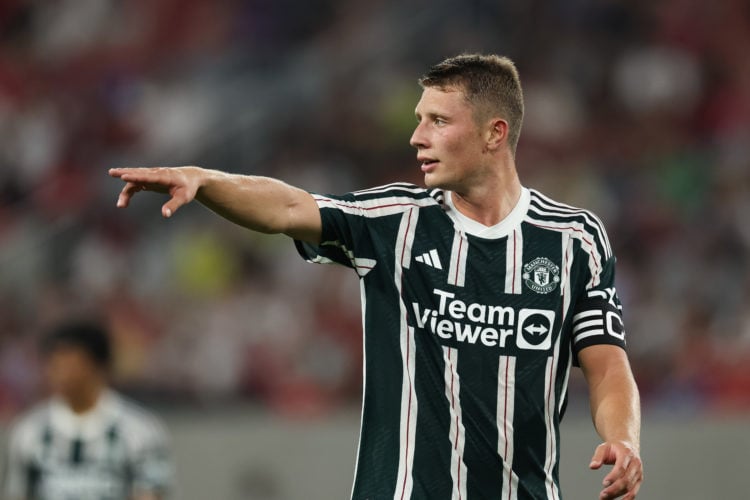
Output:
x=545 y=206
x=398 y=190
x=579 y=222
x=134 y=418
x=388 y=199
x=30 y=424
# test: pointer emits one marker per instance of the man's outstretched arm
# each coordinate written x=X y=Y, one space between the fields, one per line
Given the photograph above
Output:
x=615 y=408
x=258 y=203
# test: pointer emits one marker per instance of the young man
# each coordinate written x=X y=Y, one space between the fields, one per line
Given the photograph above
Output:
x=478 y=296
x=86 y=442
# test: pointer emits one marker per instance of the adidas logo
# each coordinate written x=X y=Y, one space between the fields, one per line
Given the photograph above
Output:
x=430 y=258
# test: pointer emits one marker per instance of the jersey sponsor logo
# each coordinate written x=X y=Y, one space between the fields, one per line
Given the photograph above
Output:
x=541 y=275
x=535 y=329
x=430 y=258
x=488 y=325
x=86 y=482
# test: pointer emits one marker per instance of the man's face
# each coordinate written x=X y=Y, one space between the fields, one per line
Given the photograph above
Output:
x=70 y=371
x=450 y=145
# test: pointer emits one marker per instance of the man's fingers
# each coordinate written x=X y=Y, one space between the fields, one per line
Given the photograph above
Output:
x=619 y=470
x=170 y=207
x=132 y=174
x=637 y=487
x=179 y=198
x=173 y=181
x=634 y=476
x=635 y=471
x=624 y=480
x=127 y=193
x=627 y=483
x=153 y=179
x=115 y=172
x=598 y=459
x=620 y=490
x=616 y=490
x=135 y=171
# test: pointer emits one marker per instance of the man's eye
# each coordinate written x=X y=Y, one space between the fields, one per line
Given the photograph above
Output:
x=439 y=121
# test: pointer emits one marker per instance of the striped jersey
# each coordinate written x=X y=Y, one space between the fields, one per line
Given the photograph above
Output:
x=113 y=452
x=470 y=333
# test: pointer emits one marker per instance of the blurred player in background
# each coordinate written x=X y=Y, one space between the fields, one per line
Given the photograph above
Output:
x=86 y=442
x=478 y=296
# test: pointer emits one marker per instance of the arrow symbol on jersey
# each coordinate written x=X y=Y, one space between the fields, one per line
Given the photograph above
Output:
x=430 y=258
x=536 y=329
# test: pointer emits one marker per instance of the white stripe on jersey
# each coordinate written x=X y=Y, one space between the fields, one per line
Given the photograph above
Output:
x=361 y=265
x=457 y=267
x=550 y=405
x=586 y=314
x=506 y=395
x=408 y=419
x=378 y=207
x=396 y=186
x=363 y=300
x=438 y=195
x=594 y=322
x=567 y=252
x=514 y=261
x=549 y=419
x=562 y=210
x=457 y=430
x=586 y=324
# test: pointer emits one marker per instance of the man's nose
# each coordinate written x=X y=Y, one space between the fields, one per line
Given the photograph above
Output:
x=418 y=139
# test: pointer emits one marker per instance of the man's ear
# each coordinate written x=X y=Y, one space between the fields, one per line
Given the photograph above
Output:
x=497 y=133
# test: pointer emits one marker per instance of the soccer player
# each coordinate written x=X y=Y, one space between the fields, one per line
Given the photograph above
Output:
x=478 y=295
x=87 y=441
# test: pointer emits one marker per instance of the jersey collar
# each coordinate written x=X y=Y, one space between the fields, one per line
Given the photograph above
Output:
x=88 y=425
x=499 y=230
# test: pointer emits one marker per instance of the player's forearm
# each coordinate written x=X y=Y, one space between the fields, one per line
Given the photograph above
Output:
x=615 y=406
x=259 y=203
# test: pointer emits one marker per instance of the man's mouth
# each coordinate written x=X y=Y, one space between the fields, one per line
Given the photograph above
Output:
x=427 y=163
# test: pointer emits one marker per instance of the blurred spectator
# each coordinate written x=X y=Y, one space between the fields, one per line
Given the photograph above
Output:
x=86 y=441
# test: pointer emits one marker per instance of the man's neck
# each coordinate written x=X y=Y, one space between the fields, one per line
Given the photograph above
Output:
x=490 y=201
x=85 y=400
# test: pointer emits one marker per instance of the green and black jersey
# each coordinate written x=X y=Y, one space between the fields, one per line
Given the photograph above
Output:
x=470 y=334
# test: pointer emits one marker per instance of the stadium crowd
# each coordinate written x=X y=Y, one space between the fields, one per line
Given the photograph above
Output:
x=638 y=110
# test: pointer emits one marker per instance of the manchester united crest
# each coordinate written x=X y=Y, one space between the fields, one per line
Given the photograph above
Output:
x=541 y=275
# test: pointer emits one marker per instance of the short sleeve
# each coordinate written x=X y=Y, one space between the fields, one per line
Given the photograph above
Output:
x=342 y=220
x=360 y=228
x=345 y=222
x=597 y=317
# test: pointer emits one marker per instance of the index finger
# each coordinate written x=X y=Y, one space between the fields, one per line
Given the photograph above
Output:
x=135 y=172
x=119 y=171
x=152 y=178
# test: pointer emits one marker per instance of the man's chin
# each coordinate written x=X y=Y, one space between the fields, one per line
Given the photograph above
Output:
x=433 y=181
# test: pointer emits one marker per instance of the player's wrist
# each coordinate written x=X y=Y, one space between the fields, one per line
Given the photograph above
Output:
x=202 y=179
x=627 y=443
